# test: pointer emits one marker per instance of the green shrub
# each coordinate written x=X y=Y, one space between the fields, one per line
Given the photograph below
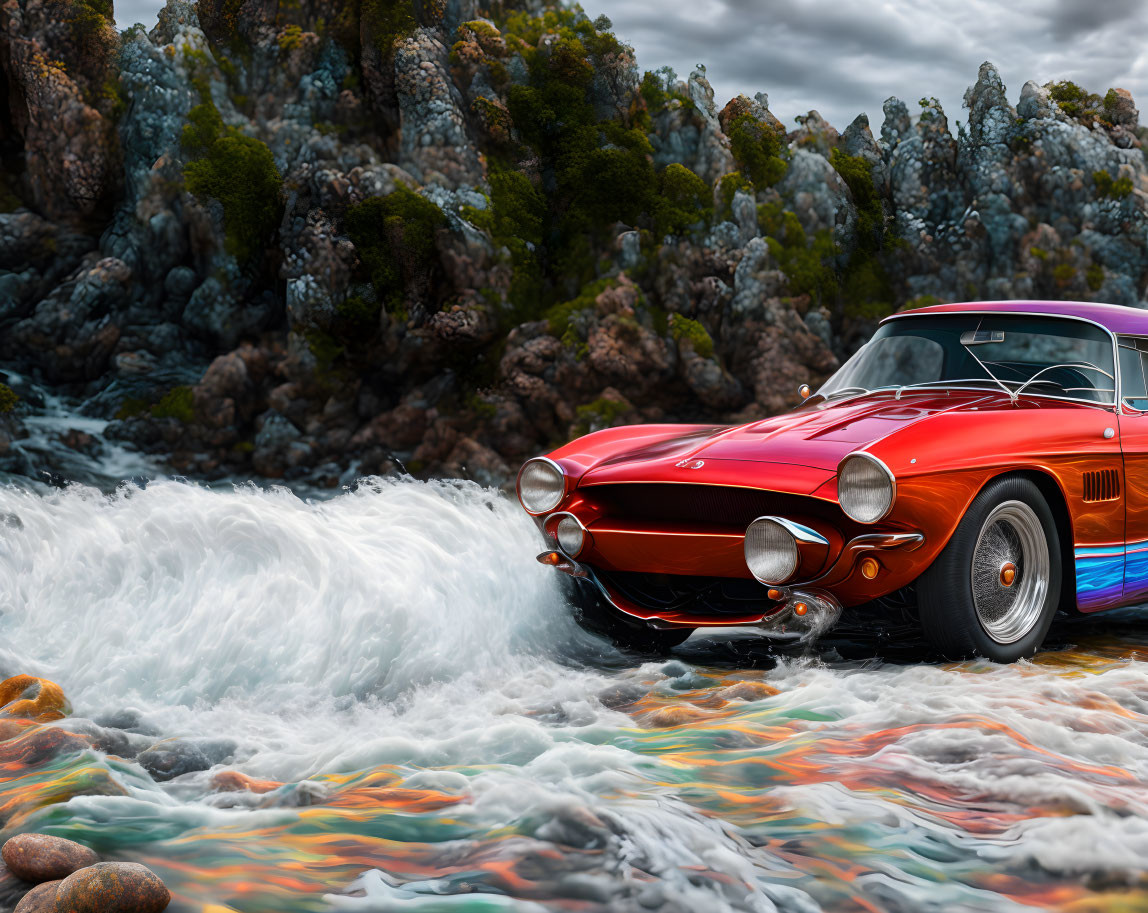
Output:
x=177 y=403
x=728 y=187
x=1094 y=276
x=238 y=171
x=395 y=240
x=559 y=316
x=682 y=327
x=1075 y=101
x=758 y=148
x=1107 y=186
x=388 y=21
x=683 y=200
x=808 y=266
x=8 y=399
x=601 y=413
x=1063 y=274
x=593 y=171
x=290 y=39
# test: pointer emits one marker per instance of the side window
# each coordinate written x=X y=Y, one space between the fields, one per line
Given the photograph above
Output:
x=1133 y=388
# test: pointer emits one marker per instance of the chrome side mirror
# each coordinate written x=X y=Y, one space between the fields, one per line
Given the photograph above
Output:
x=805 y=391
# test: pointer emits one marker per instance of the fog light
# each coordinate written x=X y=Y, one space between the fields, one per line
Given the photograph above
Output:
x=770 y=551
x=869 y=568
x=570 y=536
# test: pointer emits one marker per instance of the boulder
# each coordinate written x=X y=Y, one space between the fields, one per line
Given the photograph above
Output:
x=31 y=698
x=112 y=887
x=172 y=758
x=41 y=899
x=42 y=857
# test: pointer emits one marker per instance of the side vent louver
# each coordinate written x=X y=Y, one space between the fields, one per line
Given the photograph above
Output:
x=1103 y=485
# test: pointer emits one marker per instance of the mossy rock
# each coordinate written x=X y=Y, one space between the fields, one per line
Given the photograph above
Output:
x=237 y=170
x=8 y=399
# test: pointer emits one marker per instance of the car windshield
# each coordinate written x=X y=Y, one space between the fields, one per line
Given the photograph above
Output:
x=1047 y=356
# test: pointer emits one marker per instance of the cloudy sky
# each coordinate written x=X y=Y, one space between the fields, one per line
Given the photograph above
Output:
x=843 y=57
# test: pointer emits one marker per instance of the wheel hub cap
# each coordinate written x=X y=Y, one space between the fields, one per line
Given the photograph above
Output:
x=1010 y=572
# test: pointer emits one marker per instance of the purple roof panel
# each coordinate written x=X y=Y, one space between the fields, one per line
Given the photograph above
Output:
x=1115 y=317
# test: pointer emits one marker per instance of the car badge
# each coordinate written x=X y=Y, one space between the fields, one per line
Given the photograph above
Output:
x=690 y=464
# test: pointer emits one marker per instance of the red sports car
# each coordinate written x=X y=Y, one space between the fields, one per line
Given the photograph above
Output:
x=988 y=460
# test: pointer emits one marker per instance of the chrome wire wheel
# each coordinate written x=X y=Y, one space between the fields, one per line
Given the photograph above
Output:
x=1010 y=572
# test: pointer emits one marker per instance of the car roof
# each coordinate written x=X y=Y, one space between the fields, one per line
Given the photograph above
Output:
x=1116 y=318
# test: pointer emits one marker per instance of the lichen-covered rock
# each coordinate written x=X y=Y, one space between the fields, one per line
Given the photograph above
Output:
x=42 y=857
x=112 y=887
x=31 y=698
x=41 y=899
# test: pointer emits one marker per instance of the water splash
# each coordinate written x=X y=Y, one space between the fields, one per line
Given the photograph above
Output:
x=426 y=730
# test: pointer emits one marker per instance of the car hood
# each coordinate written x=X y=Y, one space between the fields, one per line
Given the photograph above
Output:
x=817 y=436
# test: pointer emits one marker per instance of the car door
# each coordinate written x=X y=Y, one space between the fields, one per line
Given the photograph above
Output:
x=1133 y=353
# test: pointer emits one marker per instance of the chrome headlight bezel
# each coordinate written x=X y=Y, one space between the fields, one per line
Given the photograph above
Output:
x=847 y=491
x=787 y=558
x=541 y=507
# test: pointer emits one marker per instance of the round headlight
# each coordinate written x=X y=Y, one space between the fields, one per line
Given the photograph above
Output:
x=770 y=551
x=541 y=485
x=865 y=488
x=570 y=536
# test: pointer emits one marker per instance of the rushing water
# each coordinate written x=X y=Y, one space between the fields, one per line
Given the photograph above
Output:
x=432 y=733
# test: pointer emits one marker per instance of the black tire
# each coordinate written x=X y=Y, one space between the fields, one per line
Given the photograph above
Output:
x=960 y=622
x=596 y=615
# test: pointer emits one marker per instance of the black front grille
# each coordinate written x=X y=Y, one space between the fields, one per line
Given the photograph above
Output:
x=696 y=595
x=687 y=503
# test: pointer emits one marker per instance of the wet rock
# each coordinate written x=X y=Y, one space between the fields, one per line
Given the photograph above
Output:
x=112 y=887
x=37 y=744
x=671 y=717
x=41 y=899
x=230 y=781
x=28 y=697
x=747 y=691
x=110 y=741
x=42 y=857
x=619 y=696
x=173 y=758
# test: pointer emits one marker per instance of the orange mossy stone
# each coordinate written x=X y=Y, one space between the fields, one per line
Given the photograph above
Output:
x=42 y=857
x=41 y=899
x=747 y=691
x=112 y=887
x=232 y=781
x=31 y=698
x=668 y=717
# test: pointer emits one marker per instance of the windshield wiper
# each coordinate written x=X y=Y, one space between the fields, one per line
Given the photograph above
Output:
x=845 y=391
x=1011 y=394
x=1084 y=365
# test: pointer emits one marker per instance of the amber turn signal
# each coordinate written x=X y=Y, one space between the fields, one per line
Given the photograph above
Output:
x=551 y=558
x=869 y=568
x=1008 y=573
x=774 y=594
x=800 y=608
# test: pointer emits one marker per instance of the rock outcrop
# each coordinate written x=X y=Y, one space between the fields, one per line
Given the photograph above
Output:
x=324 y=240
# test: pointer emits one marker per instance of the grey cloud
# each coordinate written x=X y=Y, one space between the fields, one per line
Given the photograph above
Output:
x=1071 y=18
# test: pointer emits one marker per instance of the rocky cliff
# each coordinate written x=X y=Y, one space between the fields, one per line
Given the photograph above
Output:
x=444 y=235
